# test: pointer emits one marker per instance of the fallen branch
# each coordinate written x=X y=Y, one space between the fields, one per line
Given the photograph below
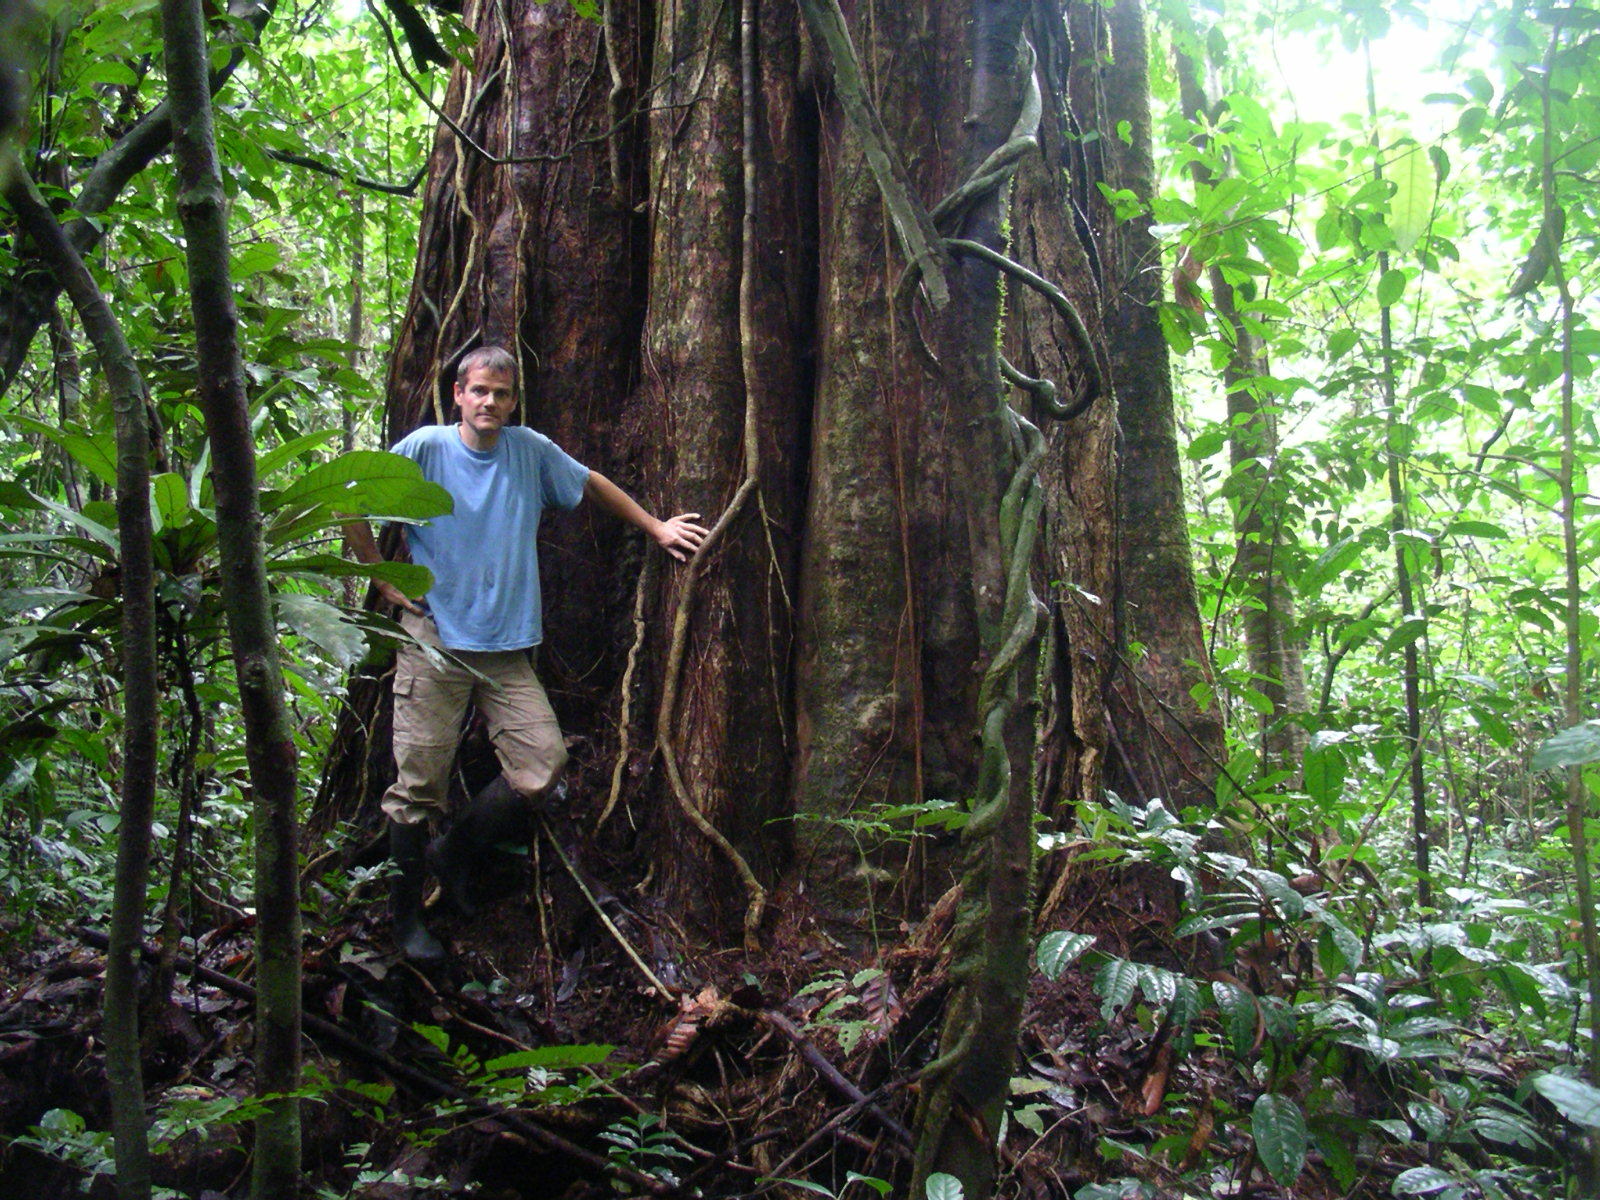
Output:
x=831 y=1074
x=830 y=1126
x=662 y=989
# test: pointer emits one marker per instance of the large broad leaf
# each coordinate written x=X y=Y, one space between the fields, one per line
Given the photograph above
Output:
x=365 y=483
x=1391 y=287
x=279 y=455
x=1574 y=746
x=1058 y=950
x=1239 y=1014
x=1116 y=982
x=324 y=625
x=1575 y=1100
x=170 y=495
x=1324 y=772
x=944 y=1187
x=104 y=535
x=95 y=453
x=411 y=578
x=1412 y=206
x=1279 y=1129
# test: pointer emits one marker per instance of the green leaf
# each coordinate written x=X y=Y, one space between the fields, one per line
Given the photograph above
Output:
x=411 y=578
x=551 y=1058
x=944 y=1187
x=1276 y=888
x=1339 y=343
x=1279 y=1129
x=1324 y=770
x=1057 y=951
x=1575 y=746
x=1521 y=988
x=1158 y=985
x=372 y=483
x=96 y=454
x=882 y=1186
x=1227 y=192
x=102 y=534
x=805 y=1185
x=1430 y=1118
x=1411 y=208
x=1338 y=947
x=253 y=258
x=292 y=449
x=1238 y=1009
x=1575 y=1100
x=1483 y=529
x=1408 y=631
x=322 y=624
x=1422 y=1181
x=1336 y=1156
x=1116 y=982
x=1391 y=287
x=171 y=495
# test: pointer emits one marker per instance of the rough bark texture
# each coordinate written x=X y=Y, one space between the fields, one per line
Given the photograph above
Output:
x=1168 y=745
x=252 y=629
x=834 y=640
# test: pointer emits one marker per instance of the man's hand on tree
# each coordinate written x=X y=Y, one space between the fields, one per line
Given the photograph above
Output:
x=679 y=536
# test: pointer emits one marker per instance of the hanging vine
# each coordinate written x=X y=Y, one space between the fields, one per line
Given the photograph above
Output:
x=992 y=931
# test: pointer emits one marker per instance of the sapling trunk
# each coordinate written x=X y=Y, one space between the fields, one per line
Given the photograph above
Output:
x=269 y=747
x=1399 y=522
x=1271 y=625
x=141 y=709
x=1577 y=795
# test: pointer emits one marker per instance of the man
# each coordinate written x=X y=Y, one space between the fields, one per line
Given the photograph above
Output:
x=485 y=609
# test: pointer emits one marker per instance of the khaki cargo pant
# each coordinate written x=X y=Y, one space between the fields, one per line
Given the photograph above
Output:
x=430 y=699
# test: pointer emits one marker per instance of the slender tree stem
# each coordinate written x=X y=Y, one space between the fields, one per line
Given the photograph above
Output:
x=1395 y=452
x=141 y=706
x=269 y=746
x=1577 y=797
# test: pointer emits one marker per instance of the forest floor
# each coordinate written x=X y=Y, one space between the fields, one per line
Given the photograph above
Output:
x=514 y=1070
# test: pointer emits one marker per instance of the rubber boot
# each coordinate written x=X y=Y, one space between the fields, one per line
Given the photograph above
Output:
x=496 y=814
x=407 y=844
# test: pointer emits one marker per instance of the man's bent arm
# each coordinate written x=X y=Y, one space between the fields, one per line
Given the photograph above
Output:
x=358 y=536
x=679 y=536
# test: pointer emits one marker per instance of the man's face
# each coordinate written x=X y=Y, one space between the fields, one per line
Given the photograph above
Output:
x=486 y=399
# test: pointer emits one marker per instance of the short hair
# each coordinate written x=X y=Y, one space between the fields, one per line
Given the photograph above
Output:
x=488 y=358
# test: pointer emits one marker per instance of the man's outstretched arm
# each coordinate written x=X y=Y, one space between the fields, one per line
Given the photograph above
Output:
x=679 y=536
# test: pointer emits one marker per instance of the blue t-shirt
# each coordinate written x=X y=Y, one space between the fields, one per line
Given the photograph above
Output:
x=485 y=555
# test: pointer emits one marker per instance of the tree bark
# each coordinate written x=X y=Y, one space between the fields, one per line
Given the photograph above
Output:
x=141 y=704
x=833 y=640
x=252 y=630
x=1173 y=743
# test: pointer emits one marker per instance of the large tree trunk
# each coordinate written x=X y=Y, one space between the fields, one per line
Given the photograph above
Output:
x=1169 y=743
x=831 y=646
